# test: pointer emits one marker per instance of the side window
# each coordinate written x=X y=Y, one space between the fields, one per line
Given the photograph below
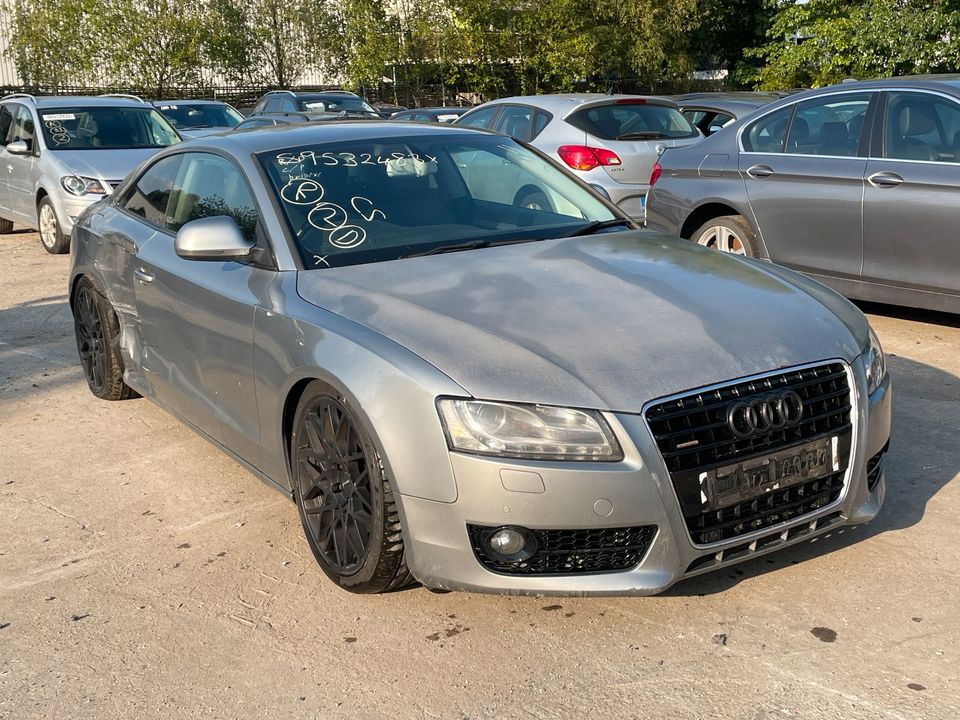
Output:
x=767 y=134
x=920 y=126
x=6 y=120
x=148 y=198
x=208 y=186
x=480 y=118
x=24 y=128
x=540 y=121
x=287 y=104
x=272 y=104
x=719 y=121
x=515 y=121
x=829 y=125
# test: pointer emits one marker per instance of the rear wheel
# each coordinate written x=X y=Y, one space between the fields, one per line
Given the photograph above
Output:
x=98 y=343
x=346 y=503
x=53 y=240
x=728 y=233
x=6 y=226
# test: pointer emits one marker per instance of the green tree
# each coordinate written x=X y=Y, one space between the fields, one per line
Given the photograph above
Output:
x=725 y=30
x=50 y=41
x=824 y=41
x=152 y=45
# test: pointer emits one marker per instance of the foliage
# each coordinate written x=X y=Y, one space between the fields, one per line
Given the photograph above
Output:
x=825 y=41
x=50 y=43
x=493 y=47
x=725 y=30
x=150 y=45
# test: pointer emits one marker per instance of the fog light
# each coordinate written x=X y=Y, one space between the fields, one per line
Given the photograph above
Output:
x=512 y=544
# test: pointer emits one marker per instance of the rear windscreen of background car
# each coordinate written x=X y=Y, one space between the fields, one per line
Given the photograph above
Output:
x=632 y=120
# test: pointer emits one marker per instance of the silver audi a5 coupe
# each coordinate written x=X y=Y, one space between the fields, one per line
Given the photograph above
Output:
x=470 y=393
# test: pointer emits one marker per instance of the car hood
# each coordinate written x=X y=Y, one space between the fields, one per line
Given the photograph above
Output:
x=190 y=133
x=103 y=164
x=608 y=321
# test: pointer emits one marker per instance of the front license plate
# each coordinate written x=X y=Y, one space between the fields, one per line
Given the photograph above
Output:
x=743 y=481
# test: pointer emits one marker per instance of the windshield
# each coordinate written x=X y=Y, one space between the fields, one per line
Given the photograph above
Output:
x=633 y=120
x=203 y=115
x=105 y=128
x=336 y=103
x=375 y=200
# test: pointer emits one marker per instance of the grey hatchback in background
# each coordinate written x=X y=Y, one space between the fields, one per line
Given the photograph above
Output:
x=609 y=141
x=468 y=393
x=62 y=154
x=856 y=184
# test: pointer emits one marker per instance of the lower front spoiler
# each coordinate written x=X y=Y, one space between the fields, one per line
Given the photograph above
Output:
x=442 y=566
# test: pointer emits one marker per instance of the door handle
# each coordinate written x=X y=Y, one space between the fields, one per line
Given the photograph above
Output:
x=885 y=180
x=759 y=171
x=143 y=276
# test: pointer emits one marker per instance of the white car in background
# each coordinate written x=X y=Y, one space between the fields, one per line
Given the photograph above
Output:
x=610 y=141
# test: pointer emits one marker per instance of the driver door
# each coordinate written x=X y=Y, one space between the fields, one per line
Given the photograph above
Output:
x=22 y=169
x=196 y=317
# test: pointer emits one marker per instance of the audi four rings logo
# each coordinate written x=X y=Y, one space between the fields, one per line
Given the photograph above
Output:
x=760 y=415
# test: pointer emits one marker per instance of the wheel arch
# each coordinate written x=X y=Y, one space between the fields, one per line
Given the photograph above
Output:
x=703 y=213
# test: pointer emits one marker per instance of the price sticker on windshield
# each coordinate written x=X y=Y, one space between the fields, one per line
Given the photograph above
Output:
x=60 y=116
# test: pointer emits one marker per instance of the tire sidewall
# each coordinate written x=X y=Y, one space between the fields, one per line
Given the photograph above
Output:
x=314 y=392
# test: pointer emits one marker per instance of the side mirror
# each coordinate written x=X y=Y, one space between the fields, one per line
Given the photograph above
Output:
x=212 y=238
x=18 y=147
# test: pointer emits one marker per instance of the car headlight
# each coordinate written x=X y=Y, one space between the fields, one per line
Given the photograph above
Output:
x=875 y=363
x=76 y=185
x=535 y=432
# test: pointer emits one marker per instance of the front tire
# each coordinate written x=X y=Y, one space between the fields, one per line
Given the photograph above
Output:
x=98 y=343
x=52 y=239
x=728 y=233
x=346 y=502
x=6 y=226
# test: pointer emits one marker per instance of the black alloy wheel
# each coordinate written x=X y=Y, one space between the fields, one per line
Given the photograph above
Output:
x=91 y=342
x=334 y=487
x=98 y=343
x=346 y=504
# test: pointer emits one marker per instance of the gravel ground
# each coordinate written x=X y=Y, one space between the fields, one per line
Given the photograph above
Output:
x=145 y=575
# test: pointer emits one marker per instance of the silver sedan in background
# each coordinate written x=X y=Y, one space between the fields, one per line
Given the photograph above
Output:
x=471 y=393
x=609 y=141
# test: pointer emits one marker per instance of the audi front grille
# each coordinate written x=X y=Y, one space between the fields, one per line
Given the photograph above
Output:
x=706 y=432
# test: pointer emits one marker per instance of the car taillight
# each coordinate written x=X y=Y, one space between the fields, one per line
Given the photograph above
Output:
x=655 y=173
x=582 y=157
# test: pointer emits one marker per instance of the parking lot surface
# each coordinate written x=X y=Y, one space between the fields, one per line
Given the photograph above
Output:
x=143 y=574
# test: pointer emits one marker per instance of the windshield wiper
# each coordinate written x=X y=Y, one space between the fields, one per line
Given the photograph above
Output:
x=470 y=245
x=642 y=135
x=591 y=228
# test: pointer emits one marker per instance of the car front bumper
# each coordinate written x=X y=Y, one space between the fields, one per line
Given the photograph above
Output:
x=635 y=492
x=70 y=207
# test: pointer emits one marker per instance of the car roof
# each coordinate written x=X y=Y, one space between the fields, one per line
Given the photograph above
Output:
x=564 y=103
x=290 y=135
x=930 y=82
x=54 y=101
x=735 y=107
x=188 y=102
